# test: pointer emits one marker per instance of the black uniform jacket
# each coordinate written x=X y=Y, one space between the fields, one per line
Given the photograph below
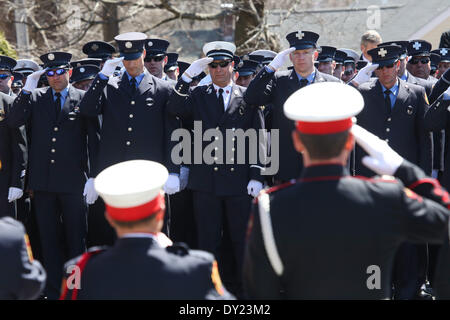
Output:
x=63 y=151
x=337 y=235
x=138 y=268
x=274 y=88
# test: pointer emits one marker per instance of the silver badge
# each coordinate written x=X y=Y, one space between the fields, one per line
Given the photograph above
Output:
x=82 y=70
x=94 y=47
x=51 y=56
x=128 y=44
x=150 y=43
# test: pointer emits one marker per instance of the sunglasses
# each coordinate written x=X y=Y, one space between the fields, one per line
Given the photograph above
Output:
x=51 y=73
x=389 y=66
x=422 y=61
x=222 y=64
x=4 y=76
x=156 y=59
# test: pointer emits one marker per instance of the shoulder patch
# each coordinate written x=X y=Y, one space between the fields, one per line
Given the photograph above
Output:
x=215 y=278
x=426 y=97
x=412 y=195
x=179 y=249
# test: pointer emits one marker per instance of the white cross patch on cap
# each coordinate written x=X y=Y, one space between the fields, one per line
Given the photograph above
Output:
x=94 y=47
x=300 y=35
x=417 y=45
x=382 y=52
x=128 y=44
x=444 y=51
x=51 y=56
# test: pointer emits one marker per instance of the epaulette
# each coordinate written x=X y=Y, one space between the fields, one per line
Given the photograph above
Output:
x=179 y=249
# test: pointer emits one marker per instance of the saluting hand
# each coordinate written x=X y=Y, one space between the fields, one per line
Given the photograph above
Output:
x=33 y=80
x=110 y=66
x=280 y=59
x=382 y=159
x=364 y=74
x=196 y=68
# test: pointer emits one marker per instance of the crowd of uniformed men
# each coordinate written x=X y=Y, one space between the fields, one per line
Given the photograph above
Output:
x=70 y=130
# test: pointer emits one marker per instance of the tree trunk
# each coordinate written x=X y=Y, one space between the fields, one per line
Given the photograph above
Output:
x=247 y=22
x=111 y=26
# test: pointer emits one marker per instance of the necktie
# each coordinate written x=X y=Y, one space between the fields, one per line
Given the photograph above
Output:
x=57 y=104
x=303 y=83
x=221 y=102
x=387 y=101
x=133 y=85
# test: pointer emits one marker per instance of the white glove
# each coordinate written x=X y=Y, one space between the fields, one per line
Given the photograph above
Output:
x=382 y=159
x=33 y=80
x=163 y=240
x=280 y=59
x=172 y=184
x=364 y=74
x=110 y=66
x=14 y=194
x=254 y=187
x=196 y=68
x=89 y=191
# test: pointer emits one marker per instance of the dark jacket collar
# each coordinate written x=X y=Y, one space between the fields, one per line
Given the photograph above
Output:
x=324 y=171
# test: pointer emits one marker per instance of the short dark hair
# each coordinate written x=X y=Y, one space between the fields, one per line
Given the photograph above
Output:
x=324 y=146
x=133 y=224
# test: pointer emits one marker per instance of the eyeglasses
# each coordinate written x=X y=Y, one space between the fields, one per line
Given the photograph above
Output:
x=422 y=61
x=389 y=66
x=4 y=76
x=51 y=73
x=222 y=64
x=155 y=58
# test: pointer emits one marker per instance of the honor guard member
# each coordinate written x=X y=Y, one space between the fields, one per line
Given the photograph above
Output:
x=400 y=122
x=443 y=63
x=99 y=50
x=246 y=71
x=17 y=84
x=88 y=61
x=21 y=277
x=171 y=68
x=138 y=266
x=358 y=229
x=339 y=58
x=7 y=64
x=135 y=122
x=273 y=87
x=83 y=76
x=369 y=40
x=221 y=189
x=326 y=60
x=13 y=156
x=156 y=57
x=349 y=70
x=63 y=151
x=420 y=64
x=434 y=62
x=26 y=67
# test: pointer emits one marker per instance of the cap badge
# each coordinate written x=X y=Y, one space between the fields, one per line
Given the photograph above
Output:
x=94 y=47
x=444 y=52
x=82 y=70
x=245 y=57
x=150 y=43
x=128 y=44
x=300 y=35
x=217 y=47
x=417 y=45
x=51 y=56
x=382 y=52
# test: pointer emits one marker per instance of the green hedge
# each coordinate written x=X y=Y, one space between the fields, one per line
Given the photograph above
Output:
x=5 y=47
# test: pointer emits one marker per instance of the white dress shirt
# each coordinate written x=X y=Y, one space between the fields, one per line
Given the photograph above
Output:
x=226 y=94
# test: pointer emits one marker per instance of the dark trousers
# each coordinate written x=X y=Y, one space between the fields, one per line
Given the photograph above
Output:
x=409 y=270
x=6 y=208
x=100 y=232
x=211 y=214
x=61 y=219
x=181 y=222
